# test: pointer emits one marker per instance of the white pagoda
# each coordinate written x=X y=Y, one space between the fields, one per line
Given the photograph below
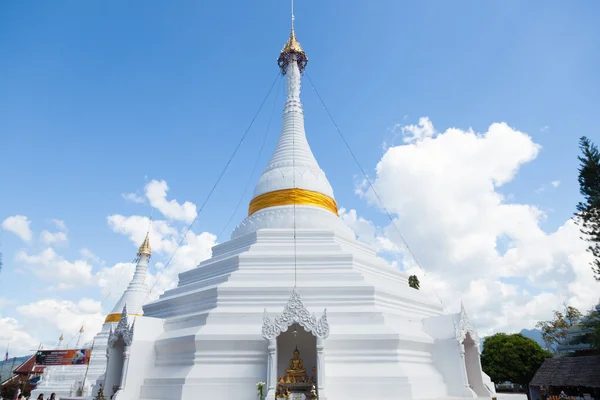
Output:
x=76 y=381
x=294 y=300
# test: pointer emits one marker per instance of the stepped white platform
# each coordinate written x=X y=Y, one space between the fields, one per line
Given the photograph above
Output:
x=386 y=339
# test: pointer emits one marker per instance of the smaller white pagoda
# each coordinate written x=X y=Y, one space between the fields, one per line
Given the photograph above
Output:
x=84 y=381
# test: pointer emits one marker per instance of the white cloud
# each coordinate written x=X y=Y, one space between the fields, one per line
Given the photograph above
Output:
x=60 y=224
x=87 y=254
x=56 y=270
x=51 y=316
x=134 y=198
x=114 y=280
x=164 y=240
x=474 y=244
x=422 y=130
x=49 y=237
x=57 y=316
x=156 y=192
x=163 y=237
x=21 y=342
x=544 y=128
x=542 y=188
x=19 y=225
x=366 y=231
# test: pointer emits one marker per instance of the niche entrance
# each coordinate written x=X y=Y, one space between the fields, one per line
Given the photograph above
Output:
x=296 y=360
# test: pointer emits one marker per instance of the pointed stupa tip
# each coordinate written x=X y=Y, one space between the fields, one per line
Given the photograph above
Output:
x=61 y=337
x=81 y=330
x=290 y=52
x=145 y=247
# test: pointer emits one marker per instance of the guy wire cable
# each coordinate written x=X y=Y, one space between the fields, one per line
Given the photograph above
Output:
x=214 y=186
x=370 y=183
x=247 y=183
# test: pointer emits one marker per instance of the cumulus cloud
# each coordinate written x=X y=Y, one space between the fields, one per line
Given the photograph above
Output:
x=424 y=129
x=55 y=269
x=19 y=225
x=60 y=224
x=156 y=192
x=134 y=198
x=49 y=237
x=555 y=183
x=474 y=243
x=13 y=332
x=163 y=236
x=50 y=316
x=87 y=254
x=64 y=316
x=164 y=240
x=367 y=232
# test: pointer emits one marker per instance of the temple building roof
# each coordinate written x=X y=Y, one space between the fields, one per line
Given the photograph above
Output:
x=569 y=371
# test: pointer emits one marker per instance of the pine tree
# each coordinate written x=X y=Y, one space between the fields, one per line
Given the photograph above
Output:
x=588 y=210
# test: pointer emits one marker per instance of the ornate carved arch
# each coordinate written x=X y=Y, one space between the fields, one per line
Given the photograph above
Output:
x=122 y=331
x=295 y=312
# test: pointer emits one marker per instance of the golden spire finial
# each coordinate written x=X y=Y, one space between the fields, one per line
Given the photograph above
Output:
x=292 y=48
x=81 y=330
x=61 y=337
x=145 y=247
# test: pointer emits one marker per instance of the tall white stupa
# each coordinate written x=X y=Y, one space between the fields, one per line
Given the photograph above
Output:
x=76 y=381
x=294 y=300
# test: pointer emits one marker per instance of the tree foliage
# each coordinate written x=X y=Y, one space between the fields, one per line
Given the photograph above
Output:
x=591 y=328
x=588 y=211
x=554 y=332
x=413 y=282
x=8 y=391
x=513 y=358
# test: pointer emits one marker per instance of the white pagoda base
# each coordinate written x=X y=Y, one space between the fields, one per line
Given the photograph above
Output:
x=380 y=339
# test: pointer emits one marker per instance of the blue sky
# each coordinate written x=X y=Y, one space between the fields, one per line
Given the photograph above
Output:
x=98 y=99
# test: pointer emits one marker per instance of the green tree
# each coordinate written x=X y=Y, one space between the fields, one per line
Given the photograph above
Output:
x=413 y=282
x=554 y=332
x=588 y=211
x=513 y=358
x=591 y=327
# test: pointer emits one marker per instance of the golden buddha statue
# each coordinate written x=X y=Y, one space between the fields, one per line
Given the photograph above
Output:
x=296 y=366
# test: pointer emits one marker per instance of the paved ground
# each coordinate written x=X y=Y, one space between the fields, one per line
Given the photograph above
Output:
x=511 y=396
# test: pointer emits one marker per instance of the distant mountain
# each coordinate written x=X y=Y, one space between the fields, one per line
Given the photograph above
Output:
x=6 y=366
x=534 y=334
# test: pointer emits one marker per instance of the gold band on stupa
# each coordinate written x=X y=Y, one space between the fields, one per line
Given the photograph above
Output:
x=117 y=317
x=288 y=197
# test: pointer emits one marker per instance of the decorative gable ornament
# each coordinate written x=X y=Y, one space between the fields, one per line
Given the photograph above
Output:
x=463 y=326
x=295 y=312
x=122 y=331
